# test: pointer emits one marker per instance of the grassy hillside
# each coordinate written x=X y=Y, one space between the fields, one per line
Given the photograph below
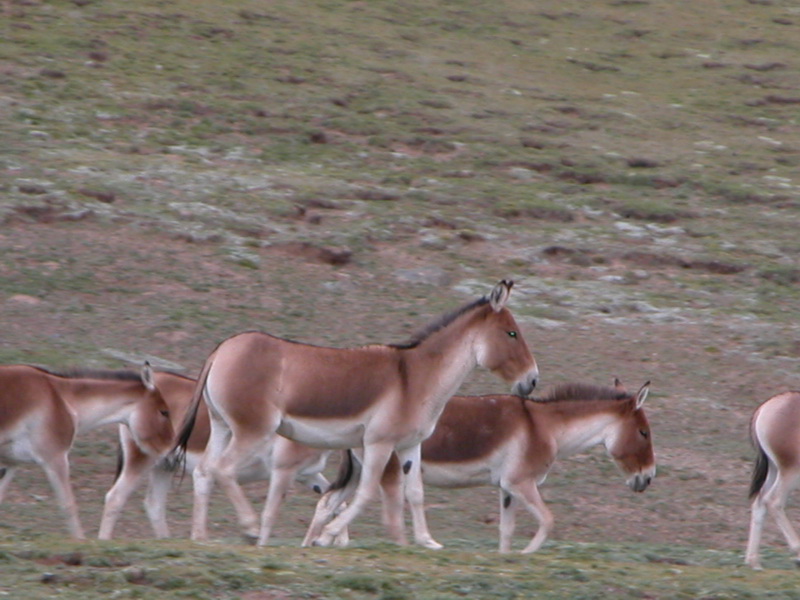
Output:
x=341 y=172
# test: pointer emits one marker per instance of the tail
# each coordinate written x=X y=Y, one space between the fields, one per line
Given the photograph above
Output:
x=761 y=465
x=347 y=468
x=184 y=433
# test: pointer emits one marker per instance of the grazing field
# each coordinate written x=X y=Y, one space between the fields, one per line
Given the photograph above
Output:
x=341 y=173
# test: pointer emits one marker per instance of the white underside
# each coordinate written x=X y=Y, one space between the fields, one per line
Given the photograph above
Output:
x=454 y=475
x=327 y=433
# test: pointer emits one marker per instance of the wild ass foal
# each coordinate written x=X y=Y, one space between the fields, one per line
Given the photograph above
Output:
x=512 y=443
x=287 y=462
x=41 y=413
x=775 y=431
x=381 y=398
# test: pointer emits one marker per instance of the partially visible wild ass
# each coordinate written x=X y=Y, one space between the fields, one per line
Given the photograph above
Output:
x=512 y=443
x=775 y=431
x=288 y=459
x=382 y=398
x=41 y=412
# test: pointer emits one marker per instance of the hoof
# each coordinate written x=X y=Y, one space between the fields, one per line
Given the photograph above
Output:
x=323 y=541
x=431 y=544
x=250 y=539
x=756 y=565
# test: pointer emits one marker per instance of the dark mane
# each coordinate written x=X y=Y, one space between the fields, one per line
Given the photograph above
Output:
x=581 y=391
x=105 y=374
x=439 y=324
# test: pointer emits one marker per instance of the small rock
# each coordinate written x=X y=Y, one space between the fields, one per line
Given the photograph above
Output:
x=25 y=300
x=521 y=173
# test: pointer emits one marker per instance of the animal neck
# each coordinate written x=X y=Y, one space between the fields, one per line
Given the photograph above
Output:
x=438 y=365
x=583 y=430
x=98 y=402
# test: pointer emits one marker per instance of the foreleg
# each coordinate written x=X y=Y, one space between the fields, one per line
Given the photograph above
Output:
x=155 y=501
x=392 y=496
x=508 y=520
x=411 y=466
x=57 y=471
x=135 y=464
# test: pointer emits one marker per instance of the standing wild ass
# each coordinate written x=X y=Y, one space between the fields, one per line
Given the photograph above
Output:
x=381 y=398
x=775 y=431
x=41 y=413
x=512 y=443
x=289 y=460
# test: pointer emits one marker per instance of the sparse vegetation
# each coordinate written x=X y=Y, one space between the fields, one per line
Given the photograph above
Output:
x=340 y=172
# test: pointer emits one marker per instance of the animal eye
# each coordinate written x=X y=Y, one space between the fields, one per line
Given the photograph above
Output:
x=164 y=413
x=645 y=433
x=512 y=334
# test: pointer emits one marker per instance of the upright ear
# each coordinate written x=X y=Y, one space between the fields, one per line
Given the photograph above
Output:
x=618 y=385
x=641 y=395
x=147 y=376
x=499 y=295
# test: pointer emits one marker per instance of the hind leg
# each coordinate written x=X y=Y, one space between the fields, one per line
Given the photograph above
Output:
x=291 y=460
x=775 y=501
x=758 y=510
x=221 y=467
x=6 y=475
x=527 y=493
x=280 y=480
x=203 y=485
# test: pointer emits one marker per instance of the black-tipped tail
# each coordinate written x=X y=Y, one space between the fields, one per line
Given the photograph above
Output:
x=177 y=457
x=760 y=470
x=347 y=468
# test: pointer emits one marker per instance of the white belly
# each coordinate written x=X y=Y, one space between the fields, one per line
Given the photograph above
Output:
x=452 y=475
x=327 y=433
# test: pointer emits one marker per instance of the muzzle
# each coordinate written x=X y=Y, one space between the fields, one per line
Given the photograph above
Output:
x=640 y=481
x=525 y=386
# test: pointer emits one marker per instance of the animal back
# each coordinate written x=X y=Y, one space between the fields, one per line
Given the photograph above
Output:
x=472 y=428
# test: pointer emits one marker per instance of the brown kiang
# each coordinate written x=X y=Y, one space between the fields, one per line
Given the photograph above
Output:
x=775 y=432
x=288 y=461
x=41 y=412
x=512 y=443
x=382 y=398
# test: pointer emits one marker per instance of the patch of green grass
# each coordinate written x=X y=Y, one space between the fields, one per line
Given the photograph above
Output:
x=177 y=569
